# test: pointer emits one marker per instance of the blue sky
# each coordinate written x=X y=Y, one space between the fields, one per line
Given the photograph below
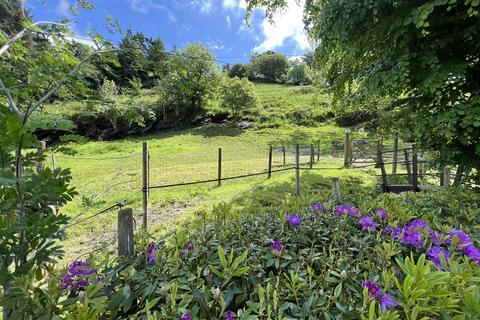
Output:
x=219 y=24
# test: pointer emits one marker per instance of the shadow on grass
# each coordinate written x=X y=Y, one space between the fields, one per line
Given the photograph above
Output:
x=217 y=130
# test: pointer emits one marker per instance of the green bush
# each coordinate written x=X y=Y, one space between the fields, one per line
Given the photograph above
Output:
x=237 y=95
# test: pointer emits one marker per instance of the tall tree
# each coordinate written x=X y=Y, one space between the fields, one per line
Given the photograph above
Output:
x=132 y=56
x=270 y=66
x=157 y=58
x=417 y=62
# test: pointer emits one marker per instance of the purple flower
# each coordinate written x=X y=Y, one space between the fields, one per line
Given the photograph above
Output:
x=318 y=207
x=375 y=292
x=460 y=236
x=380 y=213
x=387 y=231
x=277 y=246
x=367 y=223
x=229 y=315
x=352 y=211
x=387 y=302
x=435 y=237
x=472 y=252
x=374 y=289
x=434 y=254
x=186 y=316
x=341 y=210
x=151 y=251
x=75 y=277
x=181 y=254
x=397 y=232
x=411 y=234
x=293 y=220
x=190 y=247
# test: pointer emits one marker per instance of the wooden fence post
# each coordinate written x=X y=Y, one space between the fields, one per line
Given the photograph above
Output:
x=414 y=167
x=297 y=170
x=54 y=162
x=125 y=232
x=312 y=156
x=336 y=189
x=145 y=176
x=407 y=166
x=219 y=176
x=381 y=164
x=395 y=154
x=459 y=174
x=284 y=155
x=42 y=145
x=270 y=152
x=346 y=148
x=318 y=150
x=446 y=176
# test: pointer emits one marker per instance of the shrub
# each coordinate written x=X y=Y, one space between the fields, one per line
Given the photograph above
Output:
x=238 y=95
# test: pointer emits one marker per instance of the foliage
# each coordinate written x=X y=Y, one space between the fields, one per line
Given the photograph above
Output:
x=192 y=78
x=396 y=57
x=237 y=95
x=270 y=66
x=299 y=73
x=240 y=70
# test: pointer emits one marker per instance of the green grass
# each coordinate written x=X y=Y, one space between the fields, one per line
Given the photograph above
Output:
x=106 y=172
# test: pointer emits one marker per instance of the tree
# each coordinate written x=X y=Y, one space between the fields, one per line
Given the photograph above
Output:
x=270 y=66
x=132 y=56
x=299 y=73
x=240 y=70
x=238 y=95
x=157 y=59
x=192 y=77
x=420 y=60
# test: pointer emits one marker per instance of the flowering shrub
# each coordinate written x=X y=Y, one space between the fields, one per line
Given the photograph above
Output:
x=362 y=260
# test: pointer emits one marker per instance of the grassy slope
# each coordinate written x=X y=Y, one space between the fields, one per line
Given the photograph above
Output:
x=189 y=155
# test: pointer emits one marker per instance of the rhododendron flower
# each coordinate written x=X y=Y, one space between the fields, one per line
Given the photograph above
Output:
x=75 y=278
x=387 y=231
x=380 y=213
x=341 y=210
x=367 y=223
x=434 y=254
x=181 y=254
x=318 y=207
x=229 y=315
x=186 y=316
x=375 y=292
x=190 y=247
x=386 y=301
x=293 y=220
x=353 y=211
x=472 y=252
x=460 y=236
x=151 y=251
x=411 y=234
x=277 y=246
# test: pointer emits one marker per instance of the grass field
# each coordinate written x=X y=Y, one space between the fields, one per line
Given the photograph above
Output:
x=107 y=172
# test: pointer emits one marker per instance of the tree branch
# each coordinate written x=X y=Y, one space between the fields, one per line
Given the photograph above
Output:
x=61 y=82
x=21 y=33
x=11 y=102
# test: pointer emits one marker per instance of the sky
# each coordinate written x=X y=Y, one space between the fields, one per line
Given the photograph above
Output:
x=219 y=24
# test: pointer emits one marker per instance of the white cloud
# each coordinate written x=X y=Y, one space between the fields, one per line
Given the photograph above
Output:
x=229 y=22
x=288 y=25
x=63 y=8
x=215 y=45
x=234 y=5
x=83 y=40
x=146 y=6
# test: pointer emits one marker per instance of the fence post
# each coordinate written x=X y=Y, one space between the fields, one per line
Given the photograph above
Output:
x=145 y=188
x=54 y=162
x=284 y=155
x=318 y=150
x=381 y=164
x=219 y=166
x=407 y=166
x=125 y=232
x=270 y=151
x=446 y=176
x=414 y=167
x=346 y=148
x=312 y=156
x=459 y=174
x=297 y=170
x=336 y=189
x=395 y=154
x=42 y=145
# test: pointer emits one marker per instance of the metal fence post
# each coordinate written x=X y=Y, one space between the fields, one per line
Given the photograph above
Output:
x=297 y=170
x=270 y=152
x=219 y=176
x=145 y=176
x=125 y=232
